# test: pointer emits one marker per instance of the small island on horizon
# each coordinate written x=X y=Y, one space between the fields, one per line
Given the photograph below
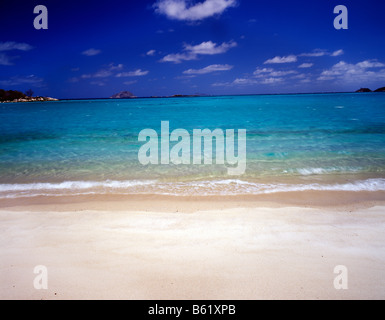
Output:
x=18 y=96
x=382 y=89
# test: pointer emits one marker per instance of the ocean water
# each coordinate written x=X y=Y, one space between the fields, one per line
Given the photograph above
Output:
x=294 y=143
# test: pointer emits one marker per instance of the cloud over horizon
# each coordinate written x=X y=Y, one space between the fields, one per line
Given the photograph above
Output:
x=364 y=71
x=294 y=58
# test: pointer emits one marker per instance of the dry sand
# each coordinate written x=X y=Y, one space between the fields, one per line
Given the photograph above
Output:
x=191 y=250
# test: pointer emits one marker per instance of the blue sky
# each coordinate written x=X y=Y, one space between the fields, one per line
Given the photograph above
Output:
x=93 y=49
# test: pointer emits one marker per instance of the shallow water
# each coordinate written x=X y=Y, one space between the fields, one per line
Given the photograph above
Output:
x=294 y=142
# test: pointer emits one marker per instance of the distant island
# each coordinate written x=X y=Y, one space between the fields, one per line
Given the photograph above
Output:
x=17 y=96
x=123 y=95
x=130 y=95
x=368 y=90
x=184 y=95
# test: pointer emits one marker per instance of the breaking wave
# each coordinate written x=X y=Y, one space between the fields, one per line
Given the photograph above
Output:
x=192 y=188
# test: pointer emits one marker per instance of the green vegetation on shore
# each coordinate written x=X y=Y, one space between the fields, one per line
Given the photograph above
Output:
x=17 y=96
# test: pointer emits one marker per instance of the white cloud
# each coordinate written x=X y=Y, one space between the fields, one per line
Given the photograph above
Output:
x=360 y=72
x=261 y=71
x=98 y=74
x=91 y=52
x=205 y=48
x=278 y=59
x=321 y=53
x=294 y=58
x=264 y=76
x=178 y=57
x=248 y=82
x=337 y=53
x=303 y=78
x=103 y=73
x=306 y=65
x=244 y=81
x=209 y=69
x=11 y=45
x=315 y=53
x=151 y=52
x=5 y=60
x=185 y=10
x=130 y=82
x=31 y=80
x=113 y=67
x=210 y=48
x=281 y=73
x=324 y=78
x=370 y=64
x=136 y=73
x=299 y=76
x=271 y=80
x=236 y=82
x=221 y=84
x=269 y=72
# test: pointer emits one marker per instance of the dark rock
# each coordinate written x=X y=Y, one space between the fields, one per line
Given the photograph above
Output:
x=17 y=96
x=123 y=95
x=364 y=90
x=380 y=89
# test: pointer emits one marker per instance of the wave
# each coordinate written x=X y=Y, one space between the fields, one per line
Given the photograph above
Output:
x=70 y=185
x=192 y=188
x=319 y=171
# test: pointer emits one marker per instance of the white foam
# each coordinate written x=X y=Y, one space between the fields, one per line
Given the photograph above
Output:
x=317 y=171
x=73 y=185
x=199 y=188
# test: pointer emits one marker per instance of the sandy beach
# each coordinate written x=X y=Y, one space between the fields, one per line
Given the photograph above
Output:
x=188 y=249
x=192 y=150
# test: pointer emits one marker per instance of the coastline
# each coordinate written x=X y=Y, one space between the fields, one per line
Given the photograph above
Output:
x=73 y=198
x=170 y=248
x=31 y=99
x=344 y=200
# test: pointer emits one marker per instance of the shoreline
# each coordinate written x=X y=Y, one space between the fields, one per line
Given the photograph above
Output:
x=344 y=200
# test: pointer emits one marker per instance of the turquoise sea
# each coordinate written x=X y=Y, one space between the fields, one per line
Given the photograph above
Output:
x=294 y=142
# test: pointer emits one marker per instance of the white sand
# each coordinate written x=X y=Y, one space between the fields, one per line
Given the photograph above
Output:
x=242 y=253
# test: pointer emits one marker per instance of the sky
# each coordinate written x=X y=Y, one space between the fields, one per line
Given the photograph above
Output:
x=94 y=49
